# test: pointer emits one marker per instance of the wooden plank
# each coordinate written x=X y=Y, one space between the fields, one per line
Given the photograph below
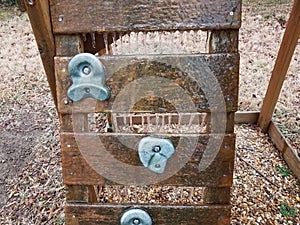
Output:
x=40 y=20
x=76 y=16
x=222 y=41
x=216 y=195
x=289 y=154
x=246 y=117
x=83 y=154
x=286 y=51
x=218 y=120
x=169 y=82
x=68 y=45
x=161 y=214
x=77 y=193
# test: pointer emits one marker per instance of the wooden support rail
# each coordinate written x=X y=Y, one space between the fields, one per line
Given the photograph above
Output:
x=282 y=63
x=39 y=15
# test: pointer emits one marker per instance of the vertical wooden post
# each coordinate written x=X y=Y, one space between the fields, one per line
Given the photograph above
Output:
x=282 y=63
x=70 y=45
x=222 y=41
x=39 y=15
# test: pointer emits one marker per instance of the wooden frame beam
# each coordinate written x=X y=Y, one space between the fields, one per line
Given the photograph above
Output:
x=282 y=63
x=39 y=15
x=288 y=153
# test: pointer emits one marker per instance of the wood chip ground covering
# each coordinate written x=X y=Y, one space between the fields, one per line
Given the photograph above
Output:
x=31 y=191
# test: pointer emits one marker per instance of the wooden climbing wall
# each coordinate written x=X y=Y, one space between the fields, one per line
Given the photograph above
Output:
x=137 y=41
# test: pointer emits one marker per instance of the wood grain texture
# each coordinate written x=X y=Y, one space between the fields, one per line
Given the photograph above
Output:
x=169 y=83
x=246 y=117
x=161 y=214
x=285 y=53
x=40 y=21
x=77 y=193
x=216 y=195
x=68 y=45
x=222 y=41
x=135 y=15
x=81 y=158
x=289 y=154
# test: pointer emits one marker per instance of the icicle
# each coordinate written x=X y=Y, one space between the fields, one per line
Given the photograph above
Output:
x=130 y=120
x=121 y=39
x=207 y=41
x=162 y=122
x=192 y=116
x=144 y=43
x=93 y=36
x=160 y=41
x=143 y=123
x=192 y=190
x=107 y=188
x=203 y=122
x=179 y=118
x=84 y=37
x=135 y=193
x=126 y=193
x=169 y=120
x=156 y=123
x=115 y=122
x=118 y=194
x=129 y=43
x=137 y=42
x=124 y=119
x=148 y=119
x=114 y=43
x=105 y=37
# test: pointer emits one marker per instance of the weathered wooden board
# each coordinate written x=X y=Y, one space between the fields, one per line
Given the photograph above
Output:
x=288 y=152
x=222 y=41
x=246 y=117
x=216 y=195
x=162 y=215
x=288 y=45
x=167 y=83
x=76 y=16
x=82 y=156
x=40 y=21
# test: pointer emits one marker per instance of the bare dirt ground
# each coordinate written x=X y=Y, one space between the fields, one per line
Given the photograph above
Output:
x=31 y=191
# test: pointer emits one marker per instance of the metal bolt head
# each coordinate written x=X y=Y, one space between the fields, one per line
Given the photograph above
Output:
x=231 y=13
x=86 y=70
x=66 y=101
x=60 y=19
x=136 y=221
x=31 y=2
x=156 y=149
x=87 y=90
